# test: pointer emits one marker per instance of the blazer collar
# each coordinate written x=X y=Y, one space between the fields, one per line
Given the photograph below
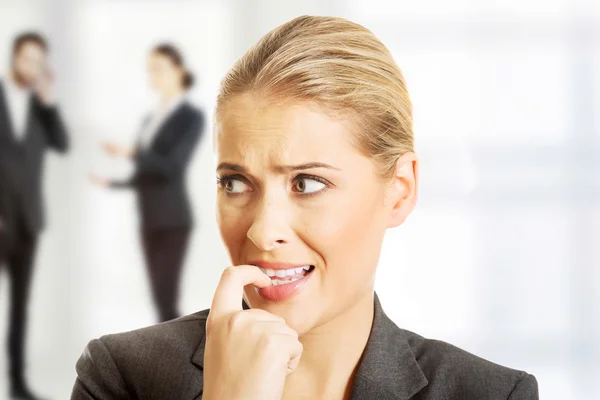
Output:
x=387 y=367
x=5 y=117
x=175 y=110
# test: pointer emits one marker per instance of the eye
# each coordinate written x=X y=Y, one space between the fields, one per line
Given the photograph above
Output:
x=309 y=184
x=233 y=184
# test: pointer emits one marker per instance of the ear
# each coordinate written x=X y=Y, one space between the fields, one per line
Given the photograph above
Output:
x=402 y=195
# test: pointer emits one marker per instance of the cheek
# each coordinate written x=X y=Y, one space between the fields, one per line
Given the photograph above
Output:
x=348 y=234
x=233 y=228
x=34 y=66
x=173 y=77
x=22 y=66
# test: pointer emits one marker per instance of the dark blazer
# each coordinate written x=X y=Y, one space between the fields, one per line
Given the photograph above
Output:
x=166 y=362
x=4 y=218
x=22 y=162
x=160 y=171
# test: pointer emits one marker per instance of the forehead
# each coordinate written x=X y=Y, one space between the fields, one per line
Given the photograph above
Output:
x=159 y=59
x=31 y=49
x=252 y=128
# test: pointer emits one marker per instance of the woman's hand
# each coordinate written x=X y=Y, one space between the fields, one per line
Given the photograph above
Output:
x=248 y=353
x=117 y=150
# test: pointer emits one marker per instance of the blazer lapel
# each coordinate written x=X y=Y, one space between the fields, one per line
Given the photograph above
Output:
x=140 y=131
x=198 y=361
x=29 y=118
x=165 y=126
x=388 y=368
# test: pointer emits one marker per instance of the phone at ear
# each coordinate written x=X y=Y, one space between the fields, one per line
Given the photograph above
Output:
x=48 y=74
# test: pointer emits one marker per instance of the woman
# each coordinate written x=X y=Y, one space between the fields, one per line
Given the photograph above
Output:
x=315 y=162
x=161 y=156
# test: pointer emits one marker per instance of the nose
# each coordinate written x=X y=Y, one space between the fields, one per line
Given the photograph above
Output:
x=270 y=229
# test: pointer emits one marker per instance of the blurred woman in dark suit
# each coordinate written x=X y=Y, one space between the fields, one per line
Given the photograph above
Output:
x=161 y=155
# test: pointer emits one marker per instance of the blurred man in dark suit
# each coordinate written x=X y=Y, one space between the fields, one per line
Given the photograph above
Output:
x=30 y=124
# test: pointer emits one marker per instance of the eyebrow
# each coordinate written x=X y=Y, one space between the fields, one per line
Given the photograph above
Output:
x=279 y=168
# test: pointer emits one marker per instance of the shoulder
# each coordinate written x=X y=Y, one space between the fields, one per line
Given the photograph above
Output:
x=451 y=369
x=169 y=337
x=192 y=112
x=159 y=357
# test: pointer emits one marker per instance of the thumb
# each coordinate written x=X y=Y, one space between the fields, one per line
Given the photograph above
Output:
x=293 y=364
x=295 y=354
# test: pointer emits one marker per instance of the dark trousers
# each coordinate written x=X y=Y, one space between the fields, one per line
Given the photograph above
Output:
x=17 y=251
x=165 y=255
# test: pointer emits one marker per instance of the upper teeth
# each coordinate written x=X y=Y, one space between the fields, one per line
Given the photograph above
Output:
x=282 y=273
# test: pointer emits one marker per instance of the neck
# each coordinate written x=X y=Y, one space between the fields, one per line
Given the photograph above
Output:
x=332 y=351
x=168 y=96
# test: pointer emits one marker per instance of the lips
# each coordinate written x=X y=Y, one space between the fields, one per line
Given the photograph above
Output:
x=287 y=280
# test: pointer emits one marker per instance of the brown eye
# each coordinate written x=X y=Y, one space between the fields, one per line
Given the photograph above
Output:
x=233 y=185
x=300 y=186
x=308 y=185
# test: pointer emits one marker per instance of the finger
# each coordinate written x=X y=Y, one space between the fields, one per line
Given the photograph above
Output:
x=293 y=364
x=228 y=296
x=296 y=348
x=295 y=353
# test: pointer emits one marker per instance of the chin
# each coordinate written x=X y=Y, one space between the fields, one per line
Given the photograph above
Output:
x=298 y=314
x=301 y=320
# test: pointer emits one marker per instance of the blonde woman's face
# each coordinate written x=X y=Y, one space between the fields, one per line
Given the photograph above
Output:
x=294 y=194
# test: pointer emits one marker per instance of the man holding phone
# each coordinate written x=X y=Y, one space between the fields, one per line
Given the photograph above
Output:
x=30 y=124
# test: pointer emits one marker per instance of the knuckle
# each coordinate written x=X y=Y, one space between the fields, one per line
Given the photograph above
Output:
x=228 y=273
x=257 y=312
x=213 y=323
x=236 y=321
x=255 y=330
x=266 y=315
x=269 y=342
x=210 y=324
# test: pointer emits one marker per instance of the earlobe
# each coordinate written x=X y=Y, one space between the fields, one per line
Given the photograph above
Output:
x=404 y=188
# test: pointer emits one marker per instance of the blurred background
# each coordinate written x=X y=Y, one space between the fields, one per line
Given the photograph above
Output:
x=502 y=255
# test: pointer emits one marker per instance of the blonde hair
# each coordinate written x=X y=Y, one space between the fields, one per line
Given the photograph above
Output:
x=339 y=65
